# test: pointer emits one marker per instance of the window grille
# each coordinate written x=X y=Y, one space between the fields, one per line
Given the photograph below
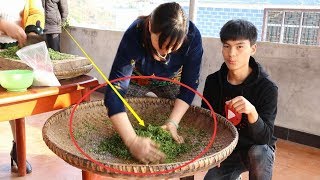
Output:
x=292 y=26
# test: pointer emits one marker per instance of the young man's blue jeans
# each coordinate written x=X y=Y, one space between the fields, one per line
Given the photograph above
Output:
x=258 y=160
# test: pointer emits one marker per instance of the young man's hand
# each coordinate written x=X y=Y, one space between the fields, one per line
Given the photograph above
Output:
x=145 y=150
x=14 y=31
x=242 y=105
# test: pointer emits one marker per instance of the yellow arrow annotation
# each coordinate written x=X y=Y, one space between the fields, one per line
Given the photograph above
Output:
x=141 y=122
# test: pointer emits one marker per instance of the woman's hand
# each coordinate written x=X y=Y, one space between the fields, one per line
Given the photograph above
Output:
x=146 y=151
x=169 y=126
x=14 y=31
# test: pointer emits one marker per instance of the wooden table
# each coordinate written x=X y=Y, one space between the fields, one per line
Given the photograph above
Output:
x=18 y=105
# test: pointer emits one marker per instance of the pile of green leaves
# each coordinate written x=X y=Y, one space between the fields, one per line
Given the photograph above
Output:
x=10 y=53
x=172 y=149
x=55 y=55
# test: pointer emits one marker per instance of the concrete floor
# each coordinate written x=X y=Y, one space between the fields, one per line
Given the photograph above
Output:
x=293 y=161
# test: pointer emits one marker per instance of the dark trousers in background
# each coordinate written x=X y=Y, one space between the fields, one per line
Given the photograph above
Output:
x=53 y=41
x=258 y=160
x=168 y=91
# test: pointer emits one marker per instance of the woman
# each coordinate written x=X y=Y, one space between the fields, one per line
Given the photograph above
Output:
x=164 y=44
x=17 y=20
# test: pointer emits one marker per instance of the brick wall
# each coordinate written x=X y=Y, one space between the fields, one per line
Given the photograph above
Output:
x=210 y=20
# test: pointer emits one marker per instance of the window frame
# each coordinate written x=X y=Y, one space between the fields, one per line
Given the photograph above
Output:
x=283 y=25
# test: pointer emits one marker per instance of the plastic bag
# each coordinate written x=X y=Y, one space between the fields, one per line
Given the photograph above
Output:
x=37 y=57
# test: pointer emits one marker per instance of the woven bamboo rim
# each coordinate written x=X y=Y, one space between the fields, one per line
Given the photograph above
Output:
x=74 y=72
x=63 y=69
x=91 y=120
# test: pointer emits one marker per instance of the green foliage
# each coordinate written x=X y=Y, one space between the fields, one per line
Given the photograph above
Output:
x=116 y=147
x=10 y=53
x=66 y=24
x=55 y=55
x=167 y=144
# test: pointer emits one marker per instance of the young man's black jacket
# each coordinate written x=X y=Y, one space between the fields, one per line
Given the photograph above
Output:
x=259 y=90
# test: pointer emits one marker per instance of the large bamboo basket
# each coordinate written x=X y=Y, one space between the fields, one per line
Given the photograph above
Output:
x=63 y=69
x=91 y=125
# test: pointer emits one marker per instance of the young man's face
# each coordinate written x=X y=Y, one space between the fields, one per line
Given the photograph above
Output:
x=237 y=53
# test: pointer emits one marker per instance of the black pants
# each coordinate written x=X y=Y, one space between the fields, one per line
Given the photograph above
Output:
x=53 y=41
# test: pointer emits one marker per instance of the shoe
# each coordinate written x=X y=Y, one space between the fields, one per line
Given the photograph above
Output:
x=14 y=162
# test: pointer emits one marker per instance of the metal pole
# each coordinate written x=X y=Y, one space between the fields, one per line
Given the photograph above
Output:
x=282 y=27
x=193 y=10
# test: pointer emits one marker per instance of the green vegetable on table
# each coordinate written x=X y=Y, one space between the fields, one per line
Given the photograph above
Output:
x=10 y=53
x=55 y=55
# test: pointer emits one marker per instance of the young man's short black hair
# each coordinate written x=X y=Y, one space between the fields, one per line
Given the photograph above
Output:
x=238 y=29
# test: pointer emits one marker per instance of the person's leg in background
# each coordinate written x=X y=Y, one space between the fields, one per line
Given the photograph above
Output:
x=169 y=91
x=13 y=153
x=53 y=41
x=260 y=160
x=231 y=168
x=136 y=90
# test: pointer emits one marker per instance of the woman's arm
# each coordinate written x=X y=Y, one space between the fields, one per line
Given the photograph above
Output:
x=190 y=77
x=172 y=124
x=13 y=30
x=191 y=68
x=143 y=149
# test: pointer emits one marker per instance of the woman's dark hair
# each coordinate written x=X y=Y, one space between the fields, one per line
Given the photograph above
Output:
x=238 y=30
x=168 y=19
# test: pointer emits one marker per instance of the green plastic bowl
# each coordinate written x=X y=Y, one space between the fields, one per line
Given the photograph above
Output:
x=16 y=80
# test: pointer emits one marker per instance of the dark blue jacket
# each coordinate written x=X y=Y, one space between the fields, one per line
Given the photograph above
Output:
x=132 y=54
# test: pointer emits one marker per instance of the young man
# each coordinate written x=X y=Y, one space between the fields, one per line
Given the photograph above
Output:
x=242 y=92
